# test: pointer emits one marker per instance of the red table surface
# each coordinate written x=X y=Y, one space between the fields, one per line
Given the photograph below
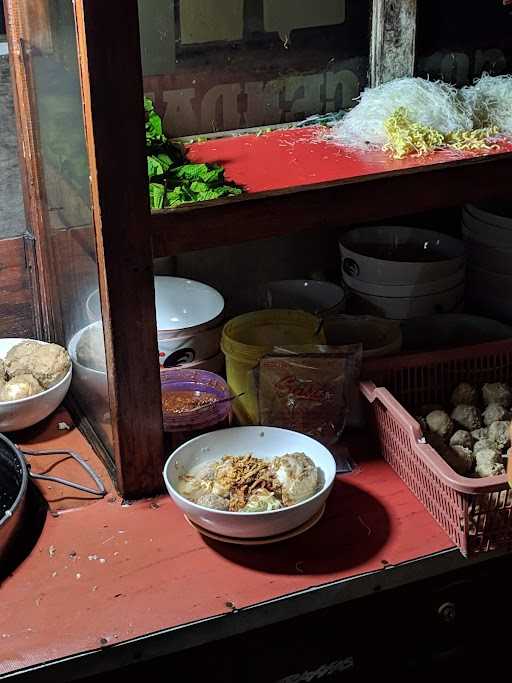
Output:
x=113 y=572
x=302 y=156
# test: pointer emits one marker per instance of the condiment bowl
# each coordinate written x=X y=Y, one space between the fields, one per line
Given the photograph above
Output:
x=262 y=442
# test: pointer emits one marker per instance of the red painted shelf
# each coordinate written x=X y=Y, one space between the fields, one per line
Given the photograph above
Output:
x=103 y=573
x=295 y=179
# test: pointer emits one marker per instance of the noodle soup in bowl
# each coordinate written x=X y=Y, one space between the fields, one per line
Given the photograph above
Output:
x=265 y=443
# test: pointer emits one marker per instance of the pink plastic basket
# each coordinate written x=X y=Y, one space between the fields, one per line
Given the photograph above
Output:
x=475 y=513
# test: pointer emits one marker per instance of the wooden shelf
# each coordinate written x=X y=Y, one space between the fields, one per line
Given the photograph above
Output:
x=294 y=182
x=139 y=578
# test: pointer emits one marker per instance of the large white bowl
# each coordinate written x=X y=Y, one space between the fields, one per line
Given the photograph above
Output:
x=189 y=319
x=480 y=231
x=313 y=296
x=498 y=260
x=180 y=304
x=361 y=248
x=262 y=442
x=412 y=290
x=94 y=382
x=401 y=308
x=25 y=412
x=500 y=216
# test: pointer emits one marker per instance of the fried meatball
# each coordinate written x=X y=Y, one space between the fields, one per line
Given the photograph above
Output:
x=21 y=386
x=495 y=413
x=479 y=434
x=489 y=463
x=461 y=459
x=484 y=445
x=467 y=417
x=440 y=423
x=211 y=500
x=298 y=476
x=48 y=363
x=497 y=393
x=461 y=438
x=465 y=394
x=499 y=433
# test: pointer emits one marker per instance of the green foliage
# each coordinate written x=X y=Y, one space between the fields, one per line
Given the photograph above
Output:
x=173 y=180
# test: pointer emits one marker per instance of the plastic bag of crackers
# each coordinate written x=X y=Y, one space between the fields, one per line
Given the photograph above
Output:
x=309 y=391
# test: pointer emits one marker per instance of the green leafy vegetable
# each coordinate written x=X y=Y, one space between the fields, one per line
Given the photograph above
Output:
x=156 y=195
x=165 y=161
x=173 y=180
x=155 y=168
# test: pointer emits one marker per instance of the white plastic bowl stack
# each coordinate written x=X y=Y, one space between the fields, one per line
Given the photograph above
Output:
x=409 y=286
x=487 y=234
x=189 y=318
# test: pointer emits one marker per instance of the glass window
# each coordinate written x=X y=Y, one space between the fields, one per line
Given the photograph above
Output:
x=54 y=82
x=459 y=40
x=222 y=65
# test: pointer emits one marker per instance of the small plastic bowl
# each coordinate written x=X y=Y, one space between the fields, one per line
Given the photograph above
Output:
x=201 y=384
x=25 y=412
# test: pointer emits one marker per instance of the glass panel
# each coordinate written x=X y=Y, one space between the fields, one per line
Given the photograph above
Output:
x=52 y=69
x=459 y=40
x=245 y=63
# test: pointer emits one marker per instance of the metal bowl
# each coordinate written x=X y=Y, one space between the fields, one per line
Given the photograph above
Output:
x=13 y=489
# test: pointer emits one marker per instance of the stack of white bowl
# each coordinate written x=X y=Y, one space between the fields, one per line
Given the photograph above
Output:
x=400 y=272
x=488 y=238
x=189 y=317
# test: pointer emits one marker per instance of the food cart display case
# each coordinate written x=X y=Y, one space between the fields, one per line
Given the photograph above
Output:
x=208 y=67
x=229 y=78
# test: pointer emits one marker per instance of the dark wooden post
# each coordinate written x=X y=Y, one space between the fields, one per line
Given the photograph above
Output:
x=111 y=75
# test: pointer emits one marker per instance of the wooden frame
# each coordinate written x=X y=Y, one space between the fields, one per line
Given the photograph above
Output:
x=121 y=218
x=126 y=233
x=31 y=173
x=393 y=41
x=112 y=85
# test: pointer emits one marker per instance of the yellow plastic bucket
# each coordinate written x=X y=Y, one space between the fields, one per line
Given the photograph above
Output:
x=249 y=337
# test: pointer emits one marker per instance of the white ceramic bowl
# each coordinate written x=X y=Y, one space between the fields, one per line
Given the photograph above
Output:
x=189 y=319
x=500 y=216
x=401 y=308
x=262 y=442
x=412 y=290
x=313 y=296
x=481 y=255
x=480 y=231
x=214 y=364
x=188 y=346
x=25 y=412
x=94 y=382
x=379 y=336
x=180 y=304
x=360 y=249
